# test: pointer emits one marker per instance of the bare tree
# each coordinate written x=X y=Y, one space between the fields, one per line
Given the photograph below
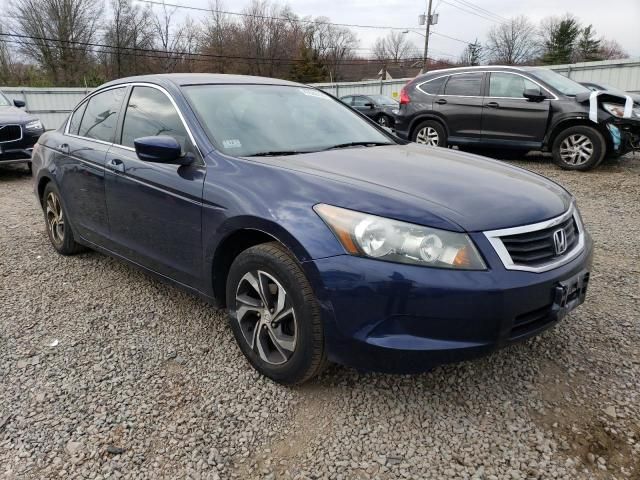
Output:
x=512 y=42
x=394 y=47
x=177 y=41
x=219 y=38
x=56 y=34
x=128 y=32
x=334 y=45
x=472 y=55
x=611 y=50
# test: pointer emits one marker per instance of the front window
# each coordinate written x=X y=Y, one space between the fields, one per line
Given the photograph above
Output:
x=564 y=85
x=510 y=85
x=4 y=101
x=151 y=113
x=246 y=120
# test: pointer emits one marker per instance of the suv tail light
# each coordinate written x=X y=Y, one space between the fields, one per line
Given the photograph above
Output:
x=404 y=96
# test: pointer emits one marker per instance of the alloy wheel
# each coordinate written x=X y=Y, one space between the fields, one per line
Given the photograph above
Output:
x=383 y=121
x=55 y=218
x=576 y=149
x=428 y=136
x=266 y=317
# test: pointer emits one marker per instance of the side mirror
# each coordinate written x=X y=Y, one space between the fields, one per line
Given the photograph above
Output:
x=161 y=149
x=19 y=103
x=533 y=95
x=369 y=104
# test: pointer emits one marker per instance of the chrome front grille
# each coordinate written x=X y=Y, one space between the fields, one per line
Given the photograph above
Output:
x=10 y=133
x=541 y=246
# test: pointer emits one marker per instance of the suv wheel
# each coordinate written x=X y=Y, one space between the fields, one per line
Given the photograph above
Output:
x=430 y=133
x=579 y=148
x=274 y=314
x=57 y=220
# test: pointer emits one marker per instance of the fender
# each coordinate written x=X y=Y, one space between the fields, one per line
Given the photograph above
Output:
x=568 y=119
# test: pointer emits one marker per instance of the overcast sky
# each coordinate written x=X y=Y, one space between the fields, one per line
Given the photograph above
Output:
x=616 y=19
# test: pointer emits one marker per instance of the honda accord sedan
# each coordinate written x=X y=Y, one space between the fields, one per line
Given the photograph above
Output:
x=326 y=238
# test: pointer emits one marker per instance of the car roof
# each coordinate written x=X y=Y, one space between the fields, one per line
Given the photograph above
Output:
x=182 y=79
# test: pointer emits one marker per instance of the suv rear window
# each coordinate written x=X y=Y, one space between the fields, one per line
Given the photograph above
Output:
x=432 y=87
x=468 y=84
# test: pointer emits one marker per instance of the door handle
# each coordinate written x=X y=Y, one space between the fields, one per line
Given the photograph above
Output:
x=441 y=101
x=64 y=148
x=492 y=105
x=116 y=165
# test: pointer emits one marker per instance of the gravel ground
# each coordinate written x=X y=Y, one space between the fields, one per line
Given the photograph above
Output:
x=105 y=372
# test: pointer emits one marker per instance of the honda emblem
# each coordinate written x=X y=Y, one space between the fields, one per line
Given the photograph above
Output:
x=560 y=241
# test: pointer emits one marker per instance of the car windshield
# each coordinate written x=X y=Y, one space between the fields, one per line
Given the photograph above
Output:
x=383 y=100
x=247 y=120
x=564 y=85
x=4 y=101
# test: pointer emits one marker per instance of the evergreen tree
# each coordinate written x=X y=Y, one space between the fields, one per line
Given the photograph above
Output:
x=472 y=55
x=588 y=48
x=309 y=68
x=561 y=41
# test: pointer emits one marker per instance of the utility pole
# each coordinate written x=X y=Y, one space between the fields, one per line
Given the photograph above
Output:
x=426 y=38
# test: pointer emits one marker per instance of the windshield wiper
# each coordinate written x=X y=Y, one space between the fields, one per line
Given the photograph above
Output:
x=275 y=153
x=358 y=144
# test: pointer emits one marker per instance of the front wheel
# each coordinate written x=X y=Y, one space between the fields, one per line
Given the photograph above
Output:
x=384 y=121
x=274 y=314
x=430 y=133
x=579 y=148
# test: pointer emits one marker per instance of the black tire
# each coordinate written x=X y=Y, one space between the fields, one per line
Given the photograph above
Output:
x=384 y=120
x=61 y=238
x=308 y=357
x=425 y=130
x=578 y=137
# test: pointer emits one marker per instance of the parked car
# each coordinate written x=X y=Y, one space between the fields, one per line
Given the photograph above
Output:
x=326 y=237
x=593 y=86
x=524 y=108
x=19 y=131
x=380 y=108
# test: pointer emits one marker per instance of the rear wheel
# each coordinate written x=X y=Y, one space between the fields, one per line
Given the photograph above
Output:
x=274 y=314
x=579 y=148
x=430 y=133
x=58 y=227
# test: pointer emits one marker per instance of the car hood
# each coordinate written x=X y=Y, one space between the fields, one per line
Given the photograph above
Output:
x=11 y=114
x=474 y=192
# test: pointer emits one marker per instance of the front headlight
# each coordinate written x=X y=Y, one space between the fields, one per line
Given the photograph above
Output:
x=371 y=236
x=34 y=125
x=614 y=109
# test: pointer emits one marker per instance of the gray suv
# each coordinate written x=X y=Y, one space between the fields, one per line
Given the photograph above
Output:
x=523 y=108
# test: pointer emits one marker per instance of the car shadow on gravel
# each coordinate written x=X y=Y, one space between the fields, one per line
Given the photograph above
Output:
x=14 y=172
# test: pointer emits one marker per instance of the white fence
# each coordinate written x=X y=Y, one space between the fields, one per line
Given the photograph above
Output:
x=53 y=105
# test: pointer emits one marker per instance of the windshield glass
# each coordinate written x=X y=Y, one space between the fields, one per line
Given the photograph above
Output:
x=245 y=120
x=383 y=100
x=564 y=85
x=4 y=101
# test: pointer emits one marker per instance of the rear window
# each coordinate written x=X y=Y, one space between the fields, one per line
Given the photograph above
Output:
x=433 y=87
x=101 y=115
x=467 y=84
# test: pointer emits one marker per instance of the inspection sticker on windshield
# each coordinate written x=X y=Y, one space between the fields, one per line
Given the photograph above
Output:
x=310 y=92
x=232 y=143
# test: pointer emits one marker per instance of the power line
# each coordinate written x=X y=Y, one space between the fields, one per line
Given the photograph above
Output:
x=162 y=54
x=481 y=9
x=477 y=14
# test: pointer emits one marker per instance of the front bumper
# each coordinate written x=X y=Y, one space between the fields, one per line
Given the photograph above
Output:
x=20 y=150
x=401 y=318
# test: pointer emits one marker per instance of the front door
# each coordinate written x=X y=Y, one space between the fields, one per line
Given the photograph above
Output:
x=509 y=118
x=460 y=104
x=155 y=209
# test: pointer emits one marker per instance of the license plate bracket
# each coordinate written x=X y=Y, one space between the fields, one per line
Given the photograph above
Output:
x=570 y=293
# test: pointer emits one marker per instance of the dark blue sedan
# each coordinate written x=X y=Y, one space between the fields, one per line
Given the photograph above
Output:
x=325 y=237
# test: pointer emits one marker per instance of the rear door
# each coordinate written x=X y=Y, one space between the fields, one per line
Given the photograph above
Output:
x=508 y=117
x=81 y=155
x=155 y=209
x=460 y=104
